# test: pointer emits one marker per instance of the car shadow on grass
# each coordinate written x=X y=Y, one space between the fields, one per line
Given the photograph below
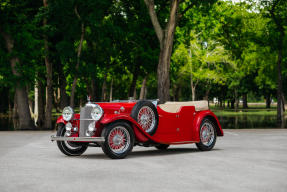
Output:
x=149 y=153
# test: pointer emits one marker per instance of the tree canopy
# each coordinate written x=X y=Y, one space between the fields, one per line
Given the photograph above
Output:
x=182 y=50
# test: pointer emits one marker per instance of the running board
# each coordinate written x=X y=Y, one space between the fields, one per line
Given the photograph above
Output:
x=86 y=139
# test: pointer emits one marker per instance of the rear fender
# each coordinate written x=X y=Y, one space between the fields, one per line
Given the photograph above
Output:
x=198 y=119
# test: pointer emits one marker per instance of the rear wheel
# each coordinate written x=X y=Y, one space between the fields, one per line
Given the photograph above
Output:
x=119 y=140
x=207 y=135
x=67 y=147
x=145 y=113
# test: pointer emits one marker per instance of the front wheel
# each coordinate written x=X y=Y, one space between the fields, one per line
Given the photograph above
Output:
x=67 y=147
x=119 y=140
x=207 y=135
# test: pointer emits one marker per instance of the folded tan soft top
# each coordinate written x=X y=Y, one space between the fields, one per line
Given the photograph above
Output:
x=174 y=107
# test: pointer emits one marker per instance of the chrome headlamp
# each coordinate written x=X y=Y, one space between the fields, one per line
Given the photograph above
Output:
x=97 y=112
x=67 y=113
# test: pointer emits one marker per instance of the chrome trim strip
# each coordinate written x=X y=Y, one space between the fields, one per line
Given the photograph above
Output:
x=182 y=142
x=90 y=139
x=82 y=120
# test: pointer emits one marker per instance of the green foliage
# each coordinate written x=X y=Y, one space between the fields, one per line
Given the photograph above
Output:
x=228 y=49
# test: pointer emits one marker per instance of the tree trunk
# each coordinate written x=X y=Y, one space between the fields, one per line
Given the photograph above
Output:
x=280 y=107
x=15 y=108
x=244 y=98
x=268 y=101
x=283 y=101
x=236 y=100
x=93 y=89
x=104 y=89
x=145 y=92
x=206 y=94
x=135 y=93
x=193 y=93
x=57 y=98
x=236 y=104
x=39 y=105
x=73 y=90
x=193 y=87
x=165 y=38
x=25 y=120
x=72 y=102
x=143 y=88
x=36 y=99
x=49 y=94
x=232 y=102
x=134 y=81
x=220 y=103
x=111 y=91
x=30 y=103
x=64 y=100
x=49 y=73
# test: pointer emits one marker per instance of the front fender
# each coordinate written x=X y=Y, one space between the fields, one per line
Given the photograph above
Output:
x=109 y=118
x=198 y=119
x=140 y=134
x=74 y=121
x=61 y=120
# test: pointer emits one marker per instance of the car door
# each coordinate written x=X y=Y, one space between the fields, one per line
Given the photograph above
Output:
x=168 y=130
x=185 y=122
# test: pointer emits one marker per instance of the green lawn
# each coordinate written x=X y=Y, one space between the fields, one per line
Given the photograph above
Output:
x=255 y=109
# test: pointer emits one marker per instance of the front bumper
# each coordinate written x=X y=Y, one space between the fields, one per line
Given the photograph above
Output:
x=85 y=139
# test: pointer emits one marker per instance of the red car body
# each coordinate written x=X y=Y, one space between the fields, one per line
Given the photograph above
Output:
x=173 y=128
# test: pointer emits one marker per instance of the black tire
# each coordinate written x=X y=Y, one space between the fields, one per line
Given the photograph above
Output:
x=162 y=147
x=135 y=114
x=201 y=145
x=69 y=148
x=127 y=134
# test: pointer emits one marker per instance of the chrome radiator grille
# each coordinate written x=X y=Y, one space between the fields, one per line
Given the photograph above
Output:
x=85 y=119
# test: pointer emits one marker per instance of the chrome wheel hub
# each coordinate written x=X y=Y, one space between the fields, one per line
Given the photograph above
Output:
x=207 y=134
x=119 y=139
x=146 y=118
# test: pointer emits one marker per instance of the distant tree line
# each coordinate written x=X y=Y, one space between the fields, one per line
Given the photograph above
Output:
x=53 y=53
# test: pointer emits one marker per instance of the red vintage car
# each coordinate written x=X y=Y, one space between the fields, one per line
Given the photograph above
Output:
x=118 y=126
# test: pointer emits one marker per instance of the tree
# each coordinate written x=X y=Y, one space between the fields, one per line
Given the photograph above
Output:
x=49 y=73
x=165 y=37
x=20 y=49
x=79 y=51
x=278 y=8
x=201 y=60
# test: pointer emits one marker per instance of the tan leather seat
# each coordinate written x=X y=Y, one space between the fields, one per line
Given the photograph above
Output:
x=174 y=107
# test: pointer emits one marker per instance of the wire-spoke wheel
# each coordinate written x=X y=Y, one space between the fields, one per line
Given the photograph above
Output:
x=67 y=147
x=146 y=118
x=207 y=135
x=145 y=113
x=119 y=140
